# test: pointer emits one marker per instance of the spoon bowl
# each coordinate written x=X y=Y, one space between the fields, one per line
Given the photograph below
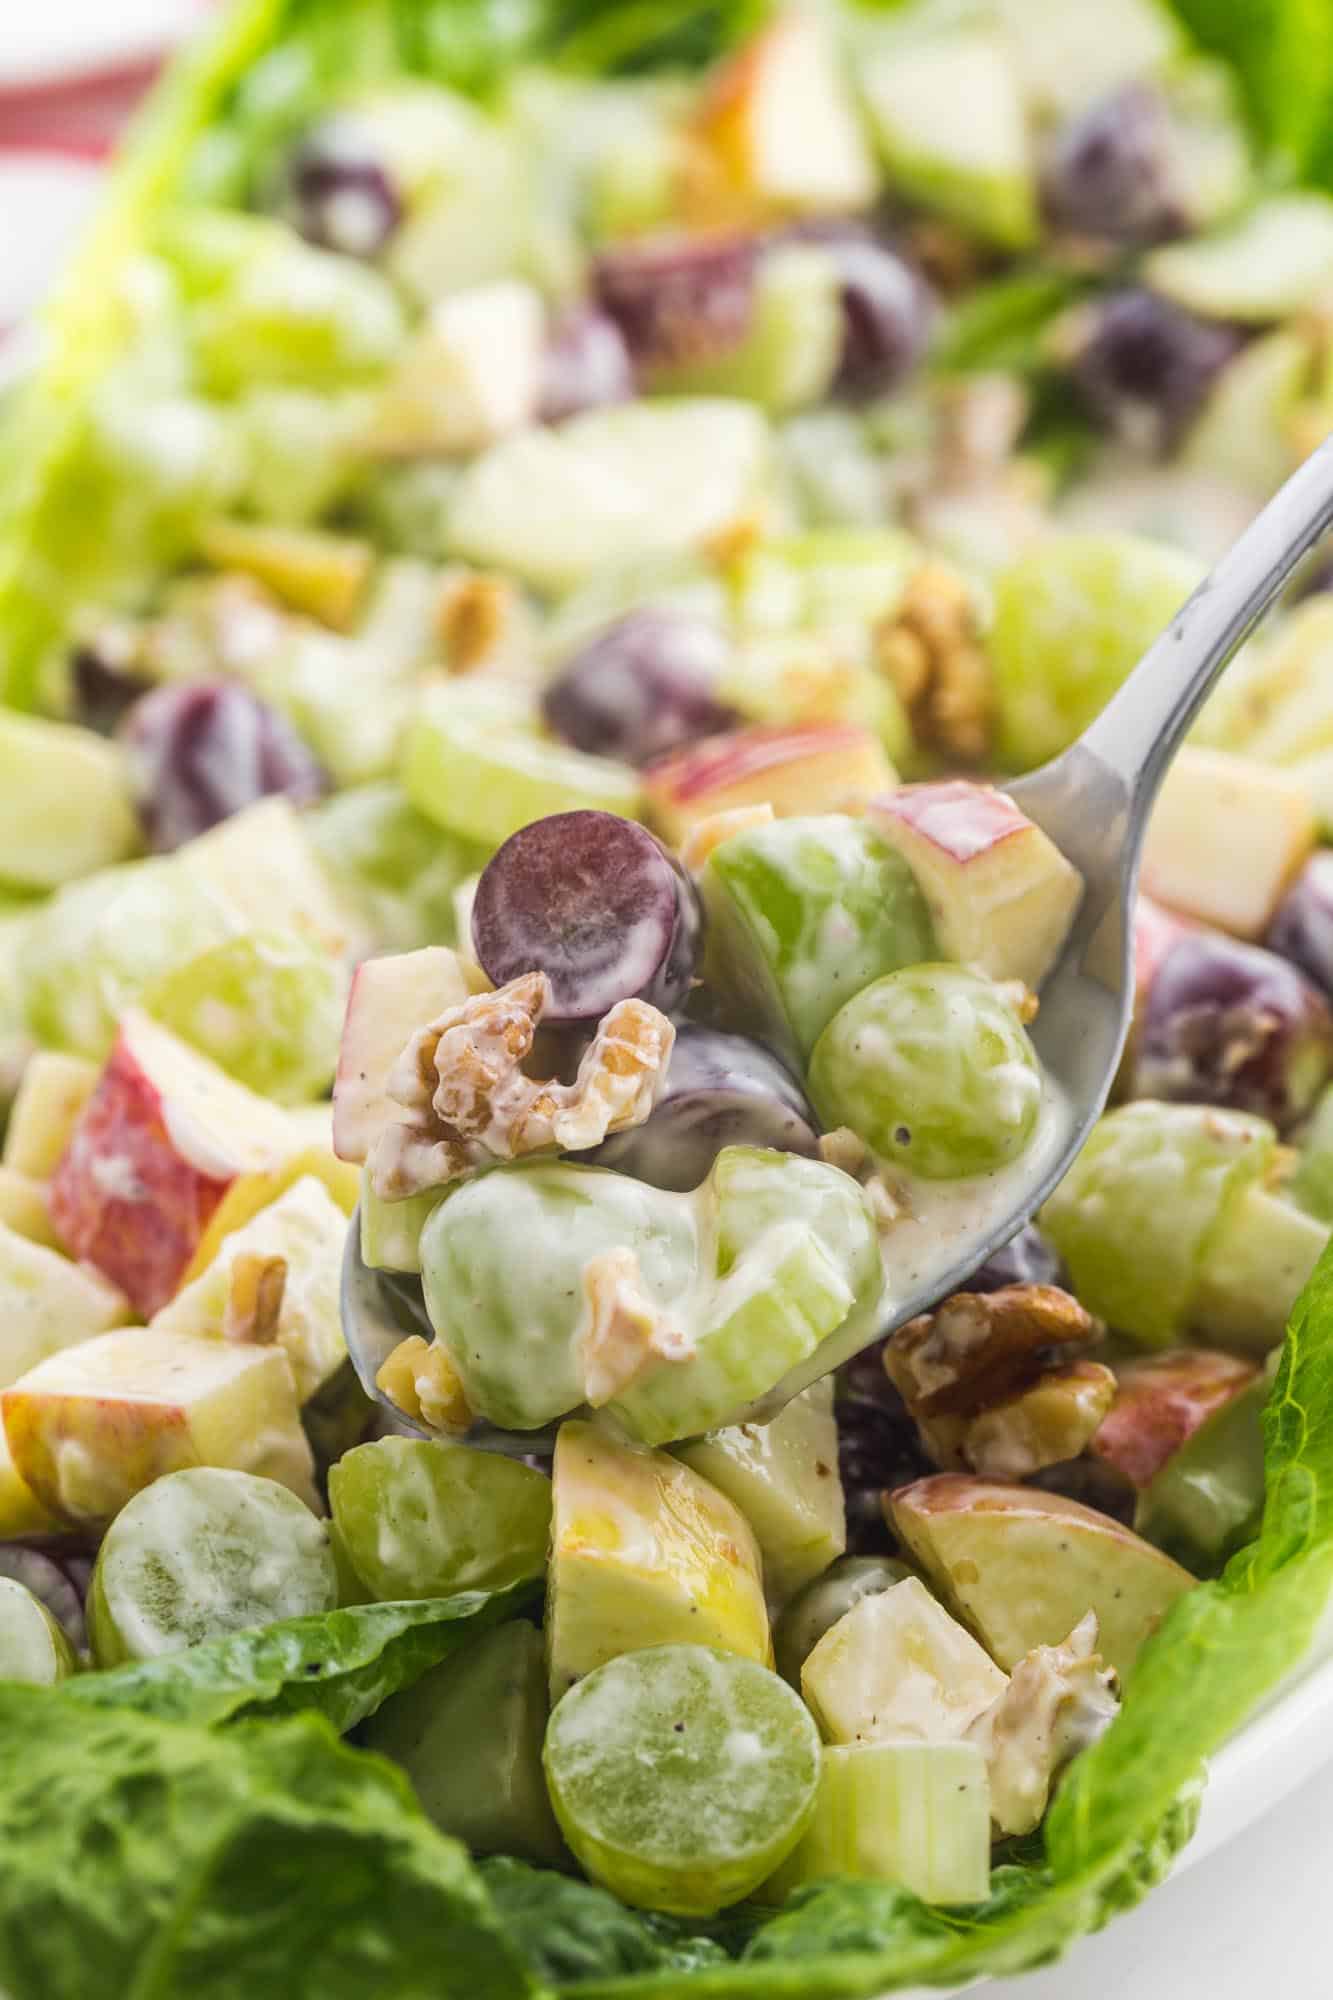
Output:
x=1094 y=803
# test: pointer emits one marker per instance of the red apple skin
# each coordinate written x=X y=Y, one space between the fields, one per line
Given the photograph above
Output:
x=825 y=767
x=142 y=1440
x=962 y=819
x=123 y=1197
x=1160 y=1403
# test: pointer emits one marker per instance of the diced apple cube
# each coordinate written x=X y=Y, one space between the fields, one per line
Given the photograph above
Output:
x=24 y=1208
x=1261 y=831
x=829 y=767
x=1161 y=1400
x=159 y=1142
x=780 y=120
x=784 y=1478
x=262 y=866
x=472 y=374
x=21 y=1512
x=390 y=999
x=52 y=1093
x=644 y=1552
x=275 y=1280
x=252 y=1192
x=65 y=801
x=898 y=1668
x=92 y=1426
x=47 y=1303
x=1001 y=894
x=323 y=574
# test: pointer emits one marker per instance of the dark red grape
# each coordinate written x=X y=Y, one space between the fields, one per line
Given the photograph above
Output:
x=201 y=750
x=643 y=686
x=879 y=1447
x=721 y=1090
x=586 y=366
x=679 y=299
x=1234 y=1025
x=1110 y=170
x=597 y=904
x=887 y=313
x=49 y=1581
x=102 y=683
x=1302 y=929
x=1146 y=365
x=1026 y=1259
x=338 y=194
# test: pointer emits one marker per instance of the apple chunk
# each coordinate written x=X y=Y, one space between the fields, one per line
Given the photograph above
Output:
x=47 y=1303
x=90 y=1427
x=1002 y=895
x=1160 y=1402
x=898 y=1668
x=1023 y=1567
x=390 y=999
x=156 y=1147
x=780 y=120
x=53 y=1091
x=1261 y=832
x=644 y=1552
x=824 y=767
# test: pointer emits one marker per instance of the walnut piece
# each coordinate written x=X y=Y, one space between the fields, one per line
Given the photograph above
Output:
x=469 y=1100
x=1059 y=1700
x=977 y=1352
x=626 y=1331
x=1048 y=1424
x=254 y=1298
x=420 y=1379
x=476 y=615
x=930 y=649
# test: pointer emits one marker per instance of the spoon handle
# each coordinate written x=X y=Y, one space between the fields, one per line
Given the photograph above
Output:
x=1142 y=726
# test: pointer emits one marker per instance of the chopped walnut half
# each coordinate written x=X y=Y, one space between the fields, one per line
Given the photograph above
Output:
x=470 y=1101
x=1048 y=1424
x=845 y=1149
x=706 y=834
x=254 y=1298
x=978 y=1351
x=1059 y=1700
x=931 y=650
x=420 y=1379
x=626 y=1331
x=479 y=617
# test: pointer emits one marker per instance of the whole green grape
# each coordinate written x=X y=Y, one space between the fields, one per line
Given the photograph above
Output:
x=932 y=1068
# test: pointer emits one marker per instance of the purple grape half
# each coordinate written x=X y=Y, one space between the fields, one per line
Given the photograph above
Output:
x=337 y=194
x=641 y=687
x=597 y=904
x=1302 y=929
x=1234 y=1025
x=202 y=750
x=721 y=1090
x=679 y=299
x=51 y=1582
x=1146 y=366
x=1110 y=171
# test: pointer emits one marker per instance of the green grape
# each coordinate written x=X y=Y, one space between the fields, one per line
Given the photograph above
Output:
x=420 y=1519
x=803 y=914
x=1133 y=1217
x=502 y=1266
x=398 y=868
x=469 y=1736
x=266 y=1006
x=682 y=1776
x=932 y=1068
x=201 y=1553
x=33 y=1647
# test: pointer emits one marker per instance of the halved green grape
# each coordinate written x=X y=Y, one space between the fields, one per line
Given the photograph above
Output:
x=33 y=1647
x=1070 y=622
x=682 y=1776
x=502 y=1265
x=803 y=914
x=420 y=1519
x=469 y=1736
x=933 y=1069
x=398 y=868
x=481 y=773
x=1135 y=1216
x=817 y=1609
x=913 y=1813
x=783 y=1476
x=267 y=1006
x=201 y=1553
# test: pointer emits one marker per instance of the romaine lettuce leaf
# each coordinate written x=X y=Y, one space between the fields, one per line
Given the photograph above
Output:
x=1282 y=54
x=142 y=1860
x=341 y=1664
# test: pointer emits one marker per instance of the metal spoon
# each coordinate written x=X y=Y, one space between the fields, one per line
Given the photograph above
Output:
x=1094 y=802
